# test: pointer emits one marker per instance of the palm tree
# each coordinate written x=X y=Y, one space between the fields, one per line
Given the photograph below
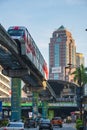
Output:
x=80 y=77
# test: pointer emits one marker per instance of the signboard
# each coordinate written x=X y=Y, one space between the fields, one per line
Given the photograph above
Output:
x=30 y=114
x=0 y=106
x=56 y=69
x=61 y=104
x=85 y=89
x=51 y=114
x=26 y=104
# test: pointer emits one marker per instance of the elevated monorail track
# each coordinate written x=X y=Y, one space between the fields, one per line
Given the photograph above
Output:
x=15 y=65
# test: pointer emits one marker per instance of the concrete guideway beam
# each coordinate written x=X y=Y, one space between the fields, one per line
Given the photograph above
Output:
x=6 y=41
x=11 y=45
x=16 y=73
x=51 y=91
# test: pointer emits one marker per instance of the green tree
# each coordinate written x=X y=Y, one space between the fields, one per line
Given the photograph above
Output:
x=80 y=77
x=79 y=124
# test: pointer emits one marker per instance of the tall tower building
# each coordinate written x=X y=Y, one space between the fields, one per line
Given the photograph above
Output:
x=79 y=59
x=62 y=51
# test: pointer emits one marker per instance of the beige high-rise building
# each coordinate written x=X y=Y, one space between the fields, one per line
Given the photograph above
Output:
x=79 y=59
x=5 y=86
x=5 y=89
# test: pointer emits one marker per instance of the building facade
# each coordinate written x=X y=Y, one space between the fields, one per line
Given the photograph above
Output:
x=5 y=86
x=5 y=89
x=62 y=51
x=79 y=59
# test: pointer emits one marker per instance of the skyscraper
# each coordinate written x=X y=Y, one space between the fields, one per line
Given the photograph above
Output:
x=79 y=59
x=62 y=51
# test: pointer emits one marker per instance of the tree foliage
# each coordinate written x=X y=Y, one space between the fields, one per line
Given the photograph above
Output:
x=79 y=123
x=80 y=75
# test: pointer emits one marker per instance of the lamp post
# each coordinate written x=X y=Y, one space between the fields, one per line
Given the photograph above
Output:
x=65 y=72
x=67 y=67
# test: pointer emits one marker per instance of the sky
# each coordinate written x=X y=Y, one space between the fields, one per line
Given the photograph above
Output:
x=42 y=17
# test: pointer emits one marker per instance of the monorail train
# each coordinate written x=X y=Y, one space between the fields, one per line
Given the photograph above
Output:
x=27 y=47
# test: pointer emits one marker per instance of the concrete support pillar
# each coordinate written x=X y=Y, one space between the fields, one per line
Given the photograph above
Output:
x=16 y=99
x=35 y=104
x=44 y=109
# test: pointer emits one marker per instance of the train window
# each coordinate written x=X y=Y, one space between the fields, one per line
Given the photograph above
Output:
x=13 y=32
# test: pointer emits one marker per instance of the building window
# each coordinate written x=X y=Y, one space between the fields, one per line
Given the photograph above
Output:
x=56 y=56
x=58 y=39
x=56 y=76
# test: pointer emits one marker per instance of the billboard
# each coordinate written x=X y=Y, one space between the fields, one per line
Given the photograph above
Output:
x=56 y=69
x=51 y=114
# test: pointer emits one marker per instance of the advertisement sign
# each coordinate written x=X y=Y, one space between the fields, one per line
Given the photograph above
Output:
x=67 y=104
x=30 y=114
x=56 y=69
x=51 y=114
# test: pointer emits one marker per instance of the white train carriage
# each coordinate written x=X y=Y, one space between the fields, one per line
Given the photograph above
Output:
x=27 y=47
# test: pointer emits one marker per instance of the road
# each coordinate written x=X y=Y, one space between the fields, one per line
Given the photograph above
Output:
x=70 y=126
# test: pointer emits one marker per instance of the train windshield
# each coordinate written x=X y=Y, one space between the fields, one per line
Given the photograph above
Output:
x=13 y=32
